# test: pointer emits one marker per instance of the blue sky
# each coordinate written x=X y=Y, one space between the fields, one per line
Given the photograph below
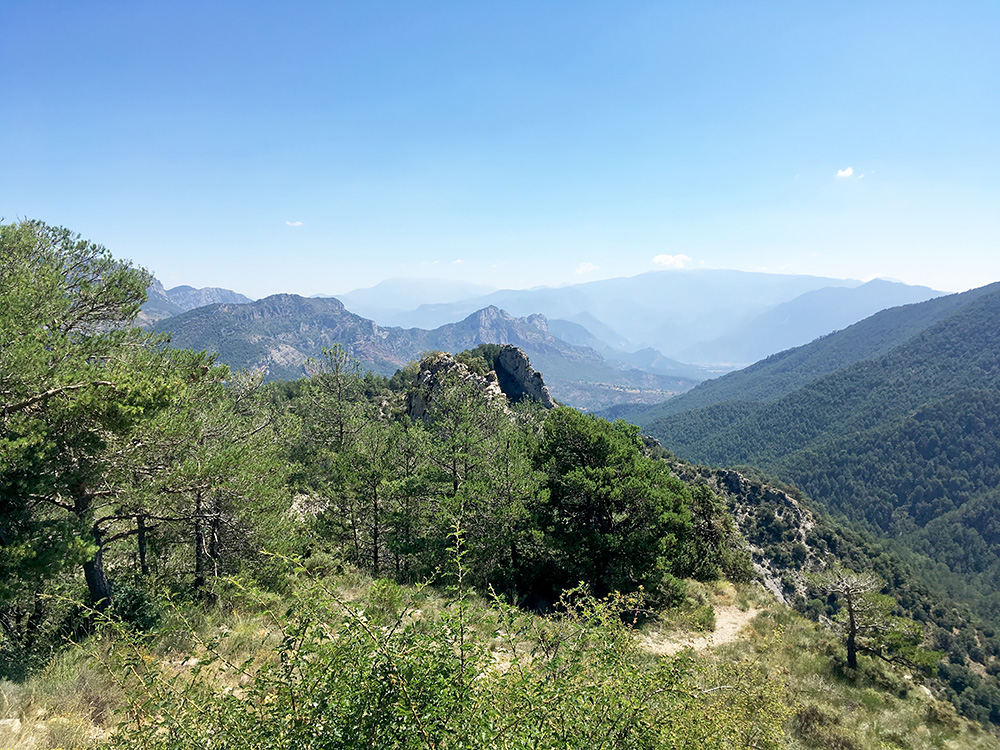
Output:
x=322 y=146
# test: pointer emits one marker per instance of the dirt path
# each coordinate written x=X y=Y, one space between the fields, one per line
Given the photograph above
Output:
x=729 y=623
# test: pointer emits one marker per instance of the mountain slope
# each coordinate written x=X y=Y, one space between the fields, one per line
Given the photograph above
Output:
x=903 y=441
x=961 y=350
x=787 y=371
x=279 y=333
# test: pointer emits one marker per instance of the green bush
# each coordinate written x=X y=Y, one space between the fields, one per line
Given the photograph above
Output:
x=383 y=673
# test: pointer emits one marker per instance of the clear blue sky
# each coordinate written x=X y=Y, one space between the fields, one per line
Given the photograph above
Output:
x=322 y=146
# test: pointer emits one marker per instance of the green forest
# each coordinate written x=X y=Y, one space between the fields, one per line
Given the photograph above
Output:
x=902 y=443
x=429 y=560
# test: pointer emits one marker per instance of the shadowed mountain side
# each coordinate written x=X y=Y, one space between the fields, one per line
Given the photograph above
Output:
x=279 y=334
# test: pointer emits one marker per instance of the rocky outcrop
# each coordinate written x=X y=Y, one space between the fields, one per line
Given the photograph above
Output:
x=518 y=380
x=511 y=380
x=436 y=371
x=775 y=525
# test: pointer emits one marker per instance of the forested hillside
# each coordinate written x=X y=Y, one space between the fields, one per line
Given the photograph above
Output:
x=902 y=441
x=431 y=559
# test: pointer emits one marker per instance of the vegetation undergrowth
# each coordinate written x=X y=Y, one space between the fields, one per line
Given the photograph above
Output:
x=316 y=666
x=401 y=667
x=876 y=706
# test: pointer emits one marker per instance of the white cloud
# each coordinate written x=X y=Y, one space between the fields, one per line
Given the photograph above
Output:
x=672 y=261
x=586 y=267
x=845 y=172
x=293 y=223
x=457 y=262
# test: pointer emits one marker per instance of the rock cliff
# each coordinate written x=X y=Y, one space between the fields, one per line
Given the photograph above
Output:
x=512 y=379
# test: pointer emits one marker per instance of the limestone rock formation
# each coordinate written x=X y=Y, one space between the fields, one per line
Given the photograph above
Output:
x=775 y=524
x=517 y=378
x=512 y=379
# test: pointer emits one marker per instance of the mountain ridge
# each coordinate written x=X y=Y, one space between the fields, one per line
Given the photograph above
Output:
x=280 y=333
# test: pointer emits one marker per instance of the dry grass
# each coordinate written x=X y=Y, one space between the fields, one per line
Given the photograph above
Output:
x=73 y=703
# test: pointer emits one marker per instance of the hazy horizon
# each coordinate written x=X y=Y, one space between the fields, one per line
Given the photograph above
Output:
x=486 y=289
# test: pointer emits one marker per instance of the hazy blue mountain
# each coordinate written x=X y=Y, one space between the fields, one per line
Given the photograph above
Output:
x=279 y=334
x=157 y=306
x=603 y=332
x=803 y=319
x=390 y=301
x=666 y=310
x=188 y=298
x=956 y=345
x=647 y=360
x=787 y=371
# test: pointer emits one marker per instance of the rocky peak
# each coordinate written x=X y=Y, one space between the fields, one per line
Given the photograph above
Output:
x=189 y=298
x=511 y=379
x=435 y=371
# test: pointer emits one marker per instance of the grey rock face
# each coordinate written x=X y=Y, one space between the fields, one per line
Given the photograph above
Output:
x=511 y=380
x=518 y=380
x=435 y=371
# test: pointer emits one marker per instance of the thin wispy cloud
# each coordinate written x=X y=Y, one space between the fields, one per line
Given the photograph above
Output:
x=457 y=262
x=845 y=172
x=293 y=223
x=586 y=267
x=672 y=261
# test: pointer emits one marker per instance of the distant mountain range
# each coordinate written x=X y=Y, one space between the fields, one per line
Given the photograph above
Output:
x=390 y=299
x=279 y=334
x=715 y=318
x=893 y=422
x=165 y=303
x=611 y=335
x=802 y=319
